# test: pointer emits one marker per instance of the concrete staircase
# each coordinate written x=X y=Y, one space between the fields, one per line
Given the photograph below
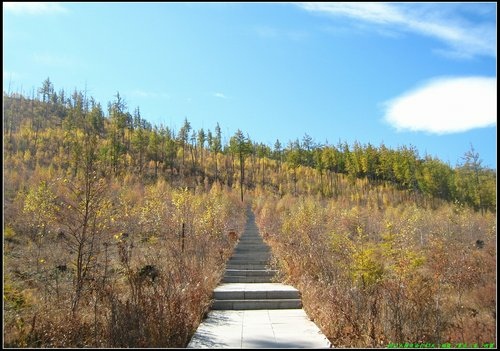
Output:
x=250 y=311
x=247 y=282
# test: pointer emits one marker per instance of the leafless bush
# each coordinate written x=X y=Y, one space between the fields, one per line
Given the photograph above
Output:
x=398 y=274
x=136 y=287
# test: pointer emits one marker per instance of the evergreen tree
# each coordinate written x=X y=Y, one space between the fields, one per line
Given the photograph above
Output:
x=242 y=147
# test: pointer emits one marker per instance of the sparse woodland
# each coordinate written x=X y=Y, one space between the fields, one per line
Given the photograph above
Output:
x=117 y=231
x=402 y=274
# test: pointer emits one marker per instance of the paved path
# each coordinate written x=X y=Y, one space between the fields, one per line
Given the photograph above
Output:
x=250 y=310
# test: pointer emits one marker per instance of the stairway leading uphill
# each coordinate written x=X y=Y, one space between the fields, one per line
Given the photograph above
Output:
x=249 y=310
x=247 y=283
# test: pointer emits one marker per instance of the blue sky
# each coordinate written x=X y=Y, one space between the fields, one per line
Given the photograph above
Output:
x=422 y=74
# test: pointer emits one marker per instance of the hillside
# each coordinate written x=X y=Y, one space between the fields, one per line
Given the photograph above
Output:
x=116 y=230
x=55 y=130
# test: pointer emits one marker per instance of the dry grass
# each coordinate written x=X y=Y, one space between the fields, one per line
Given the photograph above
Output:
x=143 y=286
x=371 y=275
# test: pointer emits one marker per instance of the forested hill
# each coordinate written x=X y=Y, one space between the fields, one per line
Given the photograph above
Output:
x=117 y=232
x=59 y=131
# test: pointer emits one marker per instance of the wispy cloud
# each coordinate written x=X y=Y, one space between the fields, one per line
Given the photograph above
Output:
x=149 y=94
x=465 y=38
x=220 y=95
x=54 y=60
x=445 y=105
x=34 y=8
x=9 y=80
x=266 y=31
x=373 y=12
x=275 y=33
x=7 y=75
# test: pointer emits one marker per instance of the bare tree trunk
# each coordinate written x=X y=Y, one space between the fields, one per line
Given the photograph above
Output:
x=242 y=174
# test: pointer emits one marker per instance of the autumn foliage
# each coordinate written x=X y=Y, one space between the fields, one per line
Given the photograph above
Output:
x=116 y=231
x=402 y=274
x=133 y=266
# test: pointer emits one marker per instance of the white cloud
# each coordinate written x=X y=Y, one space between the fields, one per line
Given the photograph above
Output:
x=373 y=12
x=220 y=95
x=266 y=31
x=34 y=8
x=464 y=38
x=48 y=59
x=445 y=105
x=275 y=33
x=142 y=93
x=9 y=80
x=10 y=75
x=149 y=94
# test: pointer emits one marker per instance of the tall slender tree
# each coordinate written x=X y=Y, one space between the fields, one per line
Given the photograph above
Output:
x=293 y=159
x=242 y=147
x=215 y=148
x=183 y=137
x=469 y=176
x=202 y=137
x=46 y=92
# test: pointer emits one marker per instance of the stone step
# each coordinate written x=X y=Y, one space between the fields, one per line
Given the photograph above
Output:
x=245 y=246
x=250 y=272
x=246 y=279
x=257 y=241
x=239 y=261
x=250 y=259
x=252 y=246
x=271 y=304
x=252 y=241
x=256 y=295
x=251 y=254
x=252 y=251
x=247 y=266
